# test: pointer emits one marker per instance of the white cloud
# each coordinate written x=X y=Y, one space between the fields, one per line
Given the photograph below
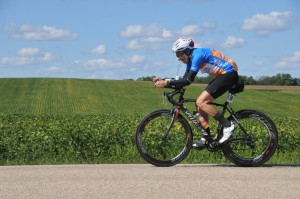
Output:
x=9 y=26
x=16 y=61
x=134 y=44
x=152 y=30
x=149 y=37
x=166 y=33
x=47 y=56
x=27 y=56
x=55 y=69
x=99 y=49
x=28 y=32
x=291 y=62
x=28 y=51
x=153 y=39
x=208 y=25
x=154 y=36
x=192 y=29
x=264 y=24
x=233 y=42
x=146 y=43
x=136 y=59
x=296 y=57
x=96 y=64
x=132 y=30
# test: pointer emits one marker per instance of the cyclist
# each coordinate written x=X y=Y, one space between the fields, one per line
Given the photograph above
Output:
x=220 y=67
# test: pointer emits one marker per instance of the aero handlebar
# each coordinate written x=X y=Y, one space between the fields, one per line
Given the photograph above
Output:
x=181 y=100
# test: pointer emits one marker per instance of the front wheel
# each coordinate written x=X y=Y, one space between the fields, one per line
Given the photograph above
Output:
x=254 y=141
x=162 y=142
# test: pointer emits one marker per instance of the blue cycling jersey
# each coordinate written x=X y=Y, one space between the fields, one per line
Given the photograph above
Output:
x=207 y=60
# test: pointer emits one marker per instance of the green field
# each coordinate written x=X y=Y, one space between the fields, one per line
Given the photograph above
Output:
x=61 y=121
x=76 y=96
x=79 y=96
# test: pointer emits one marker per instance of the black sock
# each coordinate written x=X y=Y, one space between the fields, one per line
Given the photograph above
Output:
x=208 y=136
x=207 y=130
x=219 y=116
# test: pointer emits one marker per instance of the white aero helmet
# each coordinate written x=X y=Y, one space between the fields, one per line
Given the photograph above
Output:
x=182 y=44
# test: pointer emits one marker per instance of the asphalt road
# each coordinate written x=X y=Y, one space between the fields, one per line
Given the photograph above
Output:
x=147 y=181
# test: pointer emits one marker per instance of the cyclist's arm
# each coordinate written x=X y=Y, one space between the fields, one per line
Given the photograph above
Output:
x=186 y=73
x=187 y=79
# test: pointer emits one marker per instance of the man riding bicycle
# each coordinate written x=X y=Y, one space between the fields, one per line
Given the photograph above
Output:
x=220 y=67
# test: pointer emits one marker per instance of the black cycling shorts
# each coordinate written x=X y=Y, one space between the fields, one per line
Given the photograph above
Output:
x=222 y=84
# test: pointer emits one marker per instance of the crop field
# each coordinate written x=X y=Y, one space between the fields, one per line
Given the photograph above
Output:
x=281 y=89
x=62 y=121
x=76 y=96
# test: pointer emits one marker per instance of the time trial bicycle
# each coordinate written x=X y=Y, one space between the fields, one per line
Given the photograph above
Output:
x=164 y=137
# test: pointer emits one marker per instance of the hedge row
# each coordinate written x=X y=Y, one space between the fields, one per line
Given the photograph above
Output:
x=103 y=138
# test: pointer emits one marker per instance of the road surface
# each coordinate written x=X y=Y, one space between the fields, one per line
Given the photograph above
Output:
x=146 y=181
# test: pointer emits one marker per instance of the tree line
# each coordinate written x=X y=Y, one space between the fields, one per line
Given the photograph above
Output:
x=282 y=79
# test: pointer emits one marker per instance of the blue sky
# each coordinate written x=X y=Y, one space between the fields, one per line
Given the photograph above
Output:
x=120 y=39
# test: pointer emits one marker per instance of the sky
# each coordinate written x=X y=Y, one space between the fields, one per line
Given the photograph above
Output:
x=128 y=39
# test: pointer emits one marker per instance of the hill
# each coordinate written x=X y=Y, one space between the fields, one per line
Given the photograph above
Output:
x=83 y=96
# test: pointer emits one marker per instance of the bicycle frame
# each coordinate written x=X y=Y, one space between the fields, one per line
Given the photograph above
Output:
x=247 y=147
x=165 y=137
x=179 y=106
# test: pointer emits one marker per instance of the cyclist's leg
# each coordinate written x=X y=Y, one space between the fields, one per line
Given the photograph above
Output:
x=214 y=89
x=205 y=109
x=221 y=84
x=204 y=106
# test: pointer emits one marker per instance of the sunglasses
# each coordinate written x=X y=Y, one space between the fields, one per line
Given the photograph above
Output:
x=179 y=53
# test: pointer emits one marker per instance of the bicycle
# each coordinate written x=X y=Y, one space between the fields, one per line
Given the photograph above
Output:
x=164 y=137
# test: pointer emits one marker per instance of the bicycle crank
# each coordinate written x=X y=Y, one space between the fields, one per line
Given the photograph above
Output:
x=213 y=146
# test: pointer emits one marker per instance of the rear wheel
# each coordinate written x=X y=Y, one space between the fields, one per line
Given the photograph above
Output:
x=154 y=148
x=254 y=141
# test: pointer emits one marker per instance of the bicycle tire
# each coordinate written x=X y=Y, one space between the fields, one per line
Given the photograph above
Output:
x=149 y=140
x=259 y=143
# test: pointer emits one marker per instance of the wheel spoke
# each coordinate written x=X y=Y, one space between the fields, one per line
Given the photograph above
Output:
x=251 y=140
x=163 y=141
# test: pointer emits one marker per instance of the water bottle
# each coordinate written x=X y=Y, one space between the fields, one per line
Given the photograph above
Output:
x=206 y=135
x=197 y=117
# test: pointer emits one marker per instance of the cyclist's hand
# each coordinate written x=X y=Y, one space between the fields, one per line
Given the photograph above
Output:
x=155 y=79
x=160 y=83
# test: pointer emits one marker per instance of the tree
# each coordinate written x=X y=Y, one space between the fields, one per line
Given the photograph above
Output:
x=147 y=78
x=248 y=80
